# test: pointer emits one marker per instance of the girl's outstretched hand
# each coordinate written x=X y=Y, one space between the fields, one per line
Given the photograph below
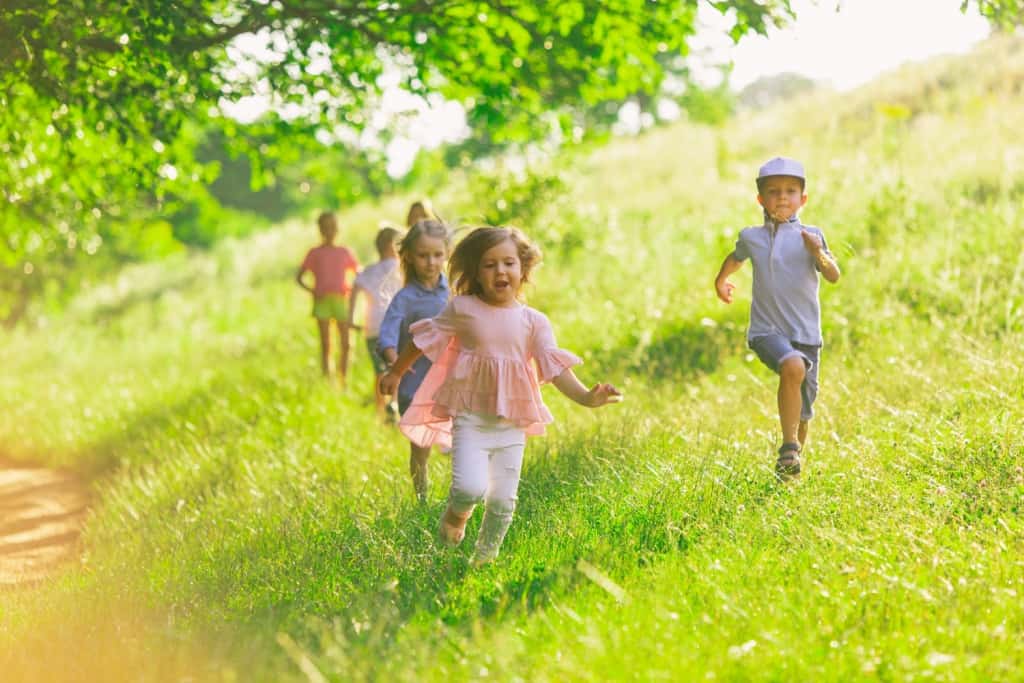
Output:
x=389 y=383
x=603 y=393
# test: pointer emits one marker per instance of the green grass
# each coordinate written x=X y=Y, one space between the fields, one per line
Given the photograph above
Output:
x=253 y=523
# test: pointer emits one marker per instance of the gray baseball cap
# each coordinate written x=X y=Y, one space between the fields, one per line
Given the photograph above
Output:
x=781 y=166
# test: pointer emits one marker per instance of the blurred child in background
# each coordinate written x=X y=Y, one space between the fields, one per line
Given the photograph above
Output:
x=419 y=211
x=378 y=282
x=333 y=267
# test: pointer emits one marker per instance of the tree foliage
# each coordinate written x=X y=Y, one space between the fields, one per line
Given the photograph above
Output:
x=97 y=97
x=1001 y=13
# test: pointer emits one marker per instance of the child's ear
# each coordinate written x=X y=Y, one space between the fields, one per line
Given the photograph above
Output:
x=761 y=201
x=803 y=199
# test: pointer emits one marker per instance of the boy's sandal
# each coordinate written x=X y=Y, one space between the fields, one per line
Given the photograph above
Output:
x=788 y=464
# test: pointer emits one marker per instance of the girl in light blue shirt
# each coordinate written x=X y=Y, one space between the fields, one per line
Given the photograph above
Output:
x=423 y=254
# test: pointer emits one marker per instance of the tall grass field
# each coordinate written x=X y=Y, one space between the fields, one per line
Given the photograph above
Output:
x=252 y=522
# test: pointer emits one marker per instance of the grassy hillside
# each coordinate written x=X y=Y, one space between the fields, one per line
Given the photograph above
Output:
x=254 y=523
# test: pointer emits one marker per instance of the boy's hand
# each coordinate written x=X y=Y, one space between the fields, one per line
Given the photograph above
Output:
x=389 y=383
x=812 y=242
x=603 y=393
x=724 y=289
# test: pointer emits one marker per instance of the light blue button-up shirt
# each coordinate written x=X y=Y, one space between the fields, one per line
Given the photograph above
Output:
x=785 y=290
x=413 y=302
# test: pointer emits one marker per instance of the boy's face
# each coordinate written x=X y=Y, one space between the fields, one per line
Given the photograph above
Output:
x=781 y=196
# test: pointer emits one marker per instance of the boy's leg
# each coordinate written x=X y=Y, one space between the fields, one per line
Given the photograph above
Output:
x=792 y=364
x=504 y=466
x=791 y=376
x=809 y=389
x=324 y=326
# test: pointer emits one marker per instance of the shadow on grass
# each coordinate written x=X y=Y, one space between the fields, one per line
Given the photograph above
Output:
x=678 y=351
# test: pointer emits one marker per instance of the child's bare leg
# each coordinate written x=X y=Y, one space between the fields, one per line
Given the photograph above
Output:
x=802 y=434
x=343 y=334
x=324 y=326
x=381 y=401
x=418 y=469
x=791 y=376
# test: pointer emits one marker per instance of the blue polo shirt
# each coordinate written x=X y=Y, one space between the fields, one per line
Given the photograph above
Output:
x=785 y=291
x=413 y=302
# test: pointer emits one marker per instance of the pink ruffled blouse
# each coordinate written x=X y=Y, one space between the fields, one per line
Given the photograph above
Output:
x=481 y=358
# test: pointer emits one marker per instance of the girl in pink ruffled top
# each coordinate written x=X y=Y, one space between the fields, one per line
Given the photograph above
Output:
x=481 y=396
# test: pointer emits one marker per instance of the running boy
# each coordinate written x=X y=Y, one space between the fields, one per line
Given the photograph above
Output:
x=785 y=316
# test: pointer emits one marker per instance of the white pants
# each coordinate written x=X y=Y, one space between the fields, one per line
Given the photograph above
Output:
x=487 y=455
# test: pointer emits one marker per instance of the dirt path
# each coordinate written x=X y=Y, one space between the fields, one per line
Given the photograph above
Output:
x=41 y=515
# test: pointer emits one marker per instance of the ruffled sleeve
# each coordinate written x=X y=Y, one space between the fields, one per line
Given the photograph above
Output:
x=551 y=360
x=432 y=335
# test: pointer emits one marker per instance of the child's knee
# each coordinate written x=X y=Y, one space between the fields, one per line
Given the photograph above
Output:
x=502 y=506
x=793 y=369
x=464 y=493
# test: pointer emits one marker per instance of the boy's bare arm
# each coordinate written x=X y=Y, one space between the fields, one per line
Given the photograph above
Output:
x=827 y=265
x=723 y=287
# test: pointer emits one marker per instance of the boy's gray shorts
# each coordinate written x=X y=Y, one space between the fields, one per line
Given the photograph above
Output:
x=773 y=349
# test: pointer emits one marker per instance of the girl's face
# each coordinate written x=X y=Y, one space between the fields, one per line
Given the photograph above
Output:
x=427 y=258
x=781 y=196
x=500 y=274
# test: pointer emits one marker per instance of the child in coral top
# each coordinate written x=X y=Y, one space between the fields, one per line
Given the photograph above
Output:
x=334 y=267
x=482 y=396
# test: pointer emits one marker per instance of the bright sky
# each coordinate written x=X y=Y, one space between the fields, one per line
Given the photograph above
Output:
x=850 y=46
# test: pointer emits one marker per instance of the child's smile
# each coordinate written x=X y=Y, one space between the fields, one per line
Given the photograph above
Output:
x=500 y=274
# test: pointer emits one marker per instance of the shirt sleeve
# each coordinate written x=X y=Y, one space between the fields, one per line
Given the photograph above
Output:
x=551 y=361
x=391 y=324
x=307 y=262
x=432 y=335
x=742 y=250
